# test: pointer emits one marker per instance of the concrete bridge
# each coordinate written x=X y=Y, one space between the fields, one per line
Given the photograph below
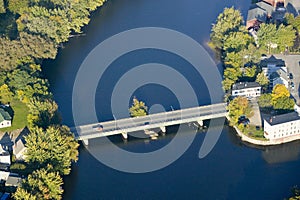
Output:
x=158 y=120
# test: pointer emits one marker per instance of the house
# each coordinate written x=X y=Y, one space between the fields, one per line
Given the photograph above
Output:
x=281 y=126
x=247 y=89
x=259 y=13
x=4 y=175
x=271 y=65
x=19 y=148
x=5 y=118
x=279 y=77
x=293 y=6
x=275 y=3
x=13 y=180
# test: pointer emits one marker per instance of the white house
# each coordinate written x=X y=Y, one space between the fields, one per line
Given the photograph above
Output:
x=5 y=118
x=281 y=126
x=247 y=89
x=19 y=149
x=4 y=156
x=279 y=77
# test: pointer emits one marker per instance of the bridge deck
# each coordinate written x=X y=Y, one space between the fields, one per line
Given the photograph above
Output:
x=157 y=120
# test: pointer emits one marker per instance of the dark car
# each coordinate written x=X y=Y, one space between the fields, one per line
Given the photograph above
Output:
x=292 y=85
x=243 y=120
x=291 y=76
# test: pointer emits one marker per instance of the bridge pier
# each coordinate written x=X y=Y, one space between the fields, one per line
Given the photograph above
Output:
x=200 y=122
x=125 y=135
x=85 y=142
x=163 y=129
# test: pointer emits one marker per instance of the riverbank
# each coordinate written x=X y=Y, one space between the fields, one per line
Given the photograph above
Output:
x=248 y=139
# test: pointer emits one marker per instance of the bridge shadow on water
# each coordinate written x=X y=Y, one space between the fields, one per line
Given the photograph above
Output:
x=144 y=143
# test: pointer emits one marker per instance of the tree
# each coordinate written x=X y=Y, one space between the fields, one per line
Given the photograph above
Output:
x=231 y=75
x=55 y=146
x=2 y=8
x=42 y=113
x=284 y=104
x=262 y=79
x=237 y=107
x=46 y=22
x=237 y=41
x=41 y=184
x=281 y=99
x=5 y=94
x=138 y=108
x=18 y=6
x=279 y=91
x=270 y=37
x=227 y=83
x=250 y=73
x=233 y=59
x=228 y=21
x=265 y=101
x=267 y=35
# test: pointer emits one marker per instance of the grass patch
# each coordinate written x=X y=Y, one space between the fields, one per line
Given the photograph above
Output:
x=254 y=132
x=19 y=118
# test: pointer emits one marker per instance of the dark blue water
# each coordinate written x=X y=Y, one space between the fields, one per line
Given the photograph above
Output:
x=233 y=170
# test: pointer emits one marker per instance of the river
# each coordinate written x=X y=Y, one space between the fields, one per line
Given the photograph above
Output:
x=232 y=170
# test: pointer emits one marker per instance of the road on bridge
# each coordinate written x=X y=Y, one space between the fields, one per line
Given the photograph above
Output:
x=150 y=121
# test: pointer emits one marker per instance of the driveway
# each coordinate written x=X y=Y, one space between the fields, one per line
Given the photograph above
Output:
x=256 y=118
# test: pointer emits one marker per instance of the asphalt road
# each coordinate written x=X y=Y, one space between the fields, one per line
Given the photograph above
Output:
x=149 y=121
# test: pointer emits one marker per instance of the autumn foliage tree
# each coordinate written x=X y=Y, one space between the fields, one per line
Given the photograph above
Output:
x=237 y=107
x=138 y=108
x=41 y=184
x=281 y=99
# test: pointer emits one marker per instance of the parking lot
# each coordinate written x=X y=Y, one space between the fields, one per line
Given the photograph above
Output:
x=292 y=63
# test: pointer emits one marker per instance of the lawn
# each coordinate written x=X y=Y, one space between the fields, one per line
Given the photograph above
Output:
x=254 y=132
x=20 y=116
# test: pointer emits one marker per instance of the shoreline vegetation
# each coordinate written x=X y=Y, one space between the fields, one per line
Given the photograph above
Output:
x=31 y=31
x=240 y=55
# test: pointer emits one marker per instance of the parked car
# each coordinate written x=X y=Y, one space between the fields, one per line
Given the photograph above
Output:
x=292 y=85
x=243 y=120
x=291 y=76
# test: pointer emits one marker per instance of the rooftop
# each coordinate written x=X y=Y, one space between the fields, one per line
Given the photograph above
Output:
x=244 y=85
x=279 y=119
x=279 y=73
x=257 y=13
x=267 y=7
x=272 y=60
x=4 y=115
x=13 y=180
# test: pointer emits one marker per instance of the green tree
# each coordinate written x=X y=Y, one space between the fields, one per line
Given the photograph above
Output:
x=41 y=184
x=2 y=8
x=138 y=108
x=55 y=146
x=42 y=113
x=46 y=22
x=18 y=6
x=228 y=21
x=284 y=104
x=233 y=59
x=5 y=94
x=270 y=37
x=237 y=41
x=262 y=79
x=237 y=107
x=250 y=73
x=265 y=101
